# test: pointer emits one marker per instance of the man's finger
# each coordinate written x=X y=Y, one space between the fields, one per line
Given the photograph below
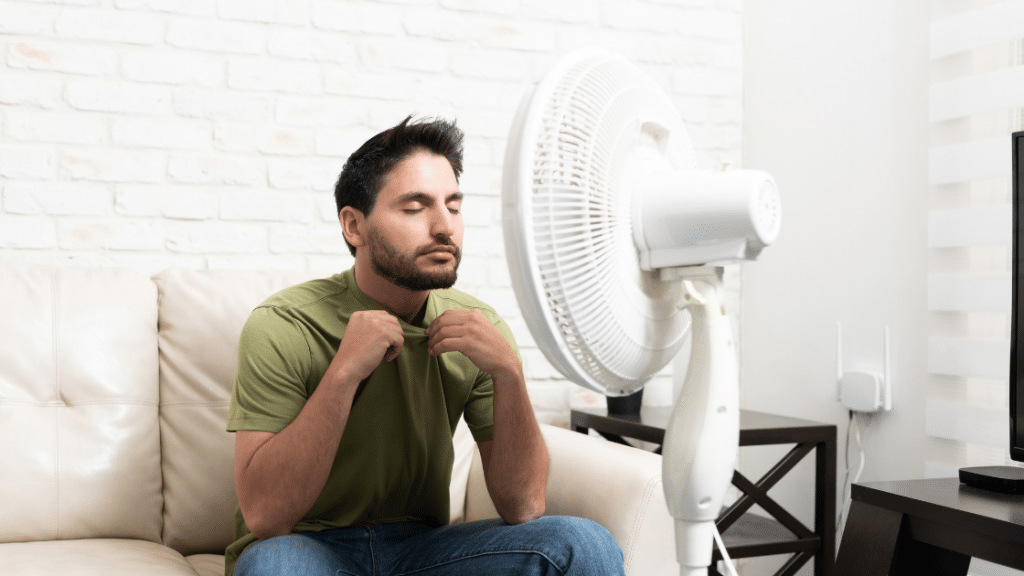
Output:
x=450 y=344
x=447 y=318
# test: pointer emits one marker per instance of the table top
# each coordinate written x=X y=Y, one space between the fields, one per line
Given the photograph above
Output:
x=948 y=501
x=755 y=427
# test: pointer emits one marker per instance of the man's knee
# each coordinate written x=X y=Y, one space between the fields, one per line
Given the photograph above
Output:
x=588 y=546
x=285 y=555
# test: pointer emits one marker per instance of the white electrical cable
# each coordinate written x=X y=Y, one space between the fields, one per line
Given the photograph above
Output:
x=729 y=567
x=846 y=479
x=853 y=426
x=863 y=458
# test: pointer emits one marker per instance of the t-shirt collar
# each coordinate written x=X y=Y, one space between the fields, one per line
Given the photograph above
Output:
x=366 y=302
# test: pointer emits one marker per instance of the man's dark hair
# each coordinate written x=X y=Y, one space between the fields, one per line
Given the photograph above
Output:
x=363 y=174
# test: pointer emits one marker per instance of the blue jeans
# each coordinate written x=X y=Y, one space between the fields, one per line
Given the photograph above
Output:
x=560 y=545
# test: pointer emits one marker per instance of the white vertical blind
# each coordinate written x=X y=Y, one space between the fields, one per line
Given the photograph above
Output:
x=970 y=292
x=969 y=358
x=975 y=103
x=966 y=423
x=971 y=226
x=997 y=90
x=975 y=28
x=965 y=162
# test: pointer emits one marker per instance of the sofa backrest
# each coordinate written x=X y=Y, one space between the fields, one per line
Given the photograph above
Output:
x=114 y=391
x=79 y=434
x=201 y=313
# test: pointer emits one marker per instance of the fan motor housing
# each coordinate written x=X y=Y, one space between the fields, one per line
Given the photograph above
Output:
x=694 y=218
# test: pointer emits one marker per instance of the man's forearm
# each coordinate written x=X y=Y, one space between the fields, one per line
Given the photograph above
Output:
x=286 y=473
x=518 y=463
x=516 y=459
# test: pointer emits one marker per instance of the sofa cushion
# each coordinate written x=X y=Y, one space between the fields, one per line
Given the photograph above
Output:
x=201 y=315
x=207 y=564
x=78 y=404
x=94 y=557
x=606 y=487
x=465 y=448
x=617 y=486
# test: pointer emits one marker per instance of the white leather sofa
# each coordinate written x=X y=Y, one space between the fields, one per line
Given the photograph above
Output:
x=113 y=455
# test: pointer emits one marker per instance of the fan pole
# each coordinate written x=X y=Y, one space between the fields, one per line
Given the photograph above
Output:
x=702 y=437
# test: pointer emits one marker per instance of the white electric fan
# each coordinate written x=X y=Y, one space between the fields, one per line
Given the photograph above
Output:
x=613 y=237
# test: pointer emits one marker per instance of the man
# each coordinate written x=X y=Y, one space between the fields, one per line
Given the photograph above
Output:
x=349 y=389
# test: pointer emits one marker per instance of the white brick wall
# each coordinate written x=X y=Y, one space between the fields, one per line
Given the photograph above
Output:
x=108 y=26
x=61 y=57
x=209 y=133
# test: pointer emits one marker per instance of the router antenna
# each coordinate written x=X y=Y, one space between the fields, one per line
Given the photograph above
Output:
x=887 y=377
x=839 y=356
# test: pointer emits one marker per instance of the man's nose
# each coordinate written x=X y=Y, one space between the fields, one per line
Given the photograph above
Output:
x=444 y=223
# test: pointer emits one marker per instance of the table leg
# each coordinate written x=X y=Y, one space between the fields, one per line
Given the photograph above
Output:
x=878 y=542
x=825 y=507
x=918 y=558
x=869 y=541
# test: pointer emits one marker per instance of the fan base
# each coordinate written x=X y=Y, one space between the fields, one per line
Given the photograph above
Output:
x=627 y=405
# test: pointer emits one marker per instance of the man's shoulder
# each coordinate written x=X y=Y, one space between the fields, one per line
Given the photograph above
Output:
x=291 y=314
x=306 y=294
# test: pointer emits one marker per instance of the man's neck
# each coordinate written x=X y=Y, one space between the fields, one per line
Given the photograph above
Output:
x=403 y=302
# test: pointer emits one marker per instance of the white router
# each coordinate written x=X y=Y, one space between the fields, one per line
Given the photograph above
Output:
x=863 y=390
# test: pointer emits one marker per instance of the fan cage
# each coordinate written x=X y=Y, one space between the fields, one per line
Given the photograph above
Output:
x=620 y=326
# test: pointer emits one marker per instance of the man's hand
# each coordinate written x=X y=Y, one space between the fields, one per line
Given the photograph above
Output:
x=371 y=336
x=471 y=333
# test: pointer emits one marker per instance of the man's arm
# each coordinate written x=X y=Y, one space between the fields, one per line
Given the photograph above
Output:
x=278 y=477
x=516 y=460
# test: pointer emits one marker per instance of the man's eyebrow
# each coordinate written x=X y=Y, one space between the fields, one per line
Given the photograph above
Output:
x=423 y=196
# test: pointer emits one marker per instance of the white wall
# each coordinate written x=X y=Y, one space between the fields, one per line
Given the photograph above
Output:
x=209 y=133
x=835 y=108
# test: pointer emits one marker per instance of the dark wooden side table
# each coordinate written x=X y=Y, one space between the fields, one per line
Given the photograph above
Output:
x=929 y=527
x=747 y=535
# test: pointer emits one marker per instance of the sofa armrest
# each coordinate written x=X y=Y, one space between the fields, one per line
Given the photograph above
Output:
x=616 y=486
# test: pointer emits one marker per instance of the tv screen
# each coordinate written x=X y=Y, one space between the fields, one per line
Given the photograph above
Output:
x=1017 y=306
x=1010 y=479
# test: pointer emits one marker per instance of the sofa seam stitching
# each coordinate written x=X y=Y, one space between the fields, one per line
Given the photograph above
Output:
x=638 y=520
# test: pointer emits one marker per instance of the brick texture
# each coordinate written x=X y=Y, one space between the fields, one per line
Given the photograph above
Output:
x=198 y=133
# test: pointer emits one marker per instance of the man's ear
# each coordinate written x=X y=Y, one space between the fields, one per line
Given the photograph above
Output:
x=353 y=226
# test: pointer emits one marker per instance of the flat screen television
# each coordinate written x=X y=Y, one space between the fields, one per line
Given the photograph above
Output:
x=1010 y=479
x=1017 y=319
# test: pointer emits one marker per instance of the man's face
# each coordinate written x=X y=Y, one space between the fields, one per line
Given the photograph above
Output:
x=414 y=233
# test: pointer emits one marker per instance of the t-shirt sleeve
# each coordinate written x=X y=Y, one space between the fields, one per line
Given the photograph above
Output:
x=273 y=366
x=479 y=413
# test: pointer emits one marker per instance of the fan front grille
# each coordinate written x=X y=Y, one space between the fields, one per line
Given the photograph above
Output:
x=618 y=324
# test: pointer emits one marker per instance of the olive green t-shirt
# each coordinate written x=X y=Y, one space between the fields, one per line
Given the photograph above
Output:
x=394 y=462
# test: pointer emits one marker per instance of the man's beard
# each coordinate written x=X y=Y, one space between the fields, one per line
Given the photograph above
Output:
x=401 y=269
